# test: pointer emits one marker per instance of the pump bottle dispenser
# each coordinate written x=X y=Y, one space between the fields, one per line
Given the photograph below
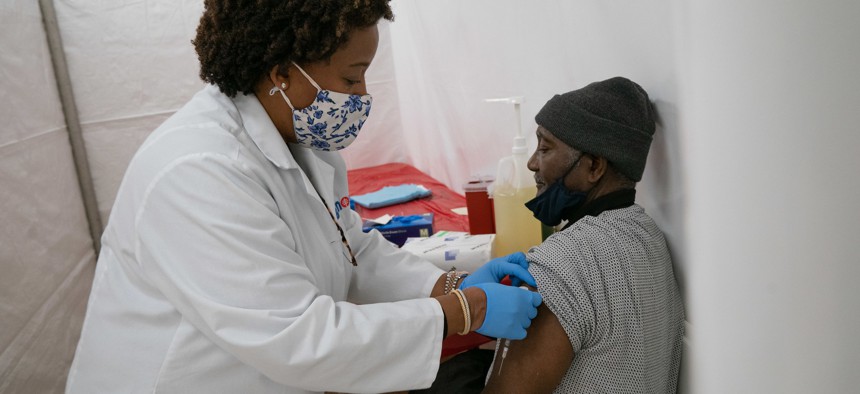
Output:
x=517 y=230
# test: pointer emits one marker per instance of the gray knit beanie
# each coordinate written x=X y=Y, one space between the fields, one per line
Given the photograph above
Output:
x=612 y=118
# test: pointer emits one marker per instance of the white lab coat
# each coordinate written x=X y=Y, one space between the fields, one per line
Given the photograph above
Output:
x=222 y=272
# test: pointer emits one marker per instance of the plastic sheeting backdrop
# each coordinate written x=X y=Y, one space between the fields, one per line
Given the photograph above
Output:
x=47 y=257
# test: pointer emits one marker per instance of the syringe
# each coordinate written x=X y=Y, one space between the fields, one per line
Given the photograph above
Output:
x=507 y=344
x=504 y=354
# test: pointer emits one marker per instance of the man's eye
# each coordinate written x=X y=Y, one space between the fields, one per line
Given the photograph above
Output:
x=351 y=81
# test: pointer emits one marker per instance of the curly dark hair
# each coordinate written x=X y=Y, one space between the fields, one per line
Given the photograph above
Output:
x=238 y=41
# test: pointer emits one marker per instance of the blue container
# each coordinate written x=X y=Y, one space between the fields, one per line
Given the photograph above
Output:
x=401 y=227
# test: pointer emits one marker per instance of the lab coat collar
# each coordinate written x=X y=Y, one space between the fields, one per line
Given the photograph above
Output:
x=263 y=132
x=319 y=172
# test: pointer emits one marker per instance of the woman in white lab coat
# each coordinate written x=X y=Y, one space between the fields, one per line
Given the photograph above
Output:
x=232 y=261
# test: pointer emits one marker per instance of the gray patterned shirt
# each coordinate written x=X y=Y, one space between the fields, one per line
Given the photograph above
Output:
x=609 y=281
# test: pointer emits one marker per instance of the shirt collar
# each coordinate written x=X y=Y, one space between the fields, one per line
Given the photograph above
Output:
x=263 y=132
x=614 y=200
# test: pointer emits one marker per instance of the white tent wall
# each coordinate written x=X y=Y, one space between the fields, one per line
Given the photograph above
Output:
x=451 y=55
x=47 y=257
x=770 y=121
x=133 y=66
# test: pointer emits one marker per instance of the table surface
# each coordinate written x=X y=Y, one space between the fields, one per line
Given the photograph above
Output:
x=440 y=203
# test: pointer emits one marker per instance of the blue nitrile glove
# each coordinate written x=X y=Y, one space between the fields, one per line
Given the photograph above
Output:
x=510 y=310
x=514 y=264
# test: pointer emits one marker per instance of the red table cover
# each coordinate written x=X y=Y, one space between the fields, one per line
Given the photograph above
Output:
x=440 y=203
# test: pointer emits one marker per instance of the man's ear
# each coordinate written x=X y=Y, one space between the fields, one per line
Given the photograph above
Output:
x=597 y=169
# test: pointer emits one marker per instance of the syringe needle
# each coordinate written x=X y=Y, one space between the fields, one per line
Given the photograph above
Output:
x=504 y=354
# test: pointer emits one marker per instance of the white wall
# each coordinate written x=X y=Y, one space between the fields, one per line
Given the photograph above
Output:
x=770 y=120
x=450 y=55
x=132 y=66
x=46 y=253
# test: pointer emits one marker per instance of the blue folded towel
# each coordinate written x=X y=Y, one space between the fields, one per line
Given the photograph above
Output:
x=391 y=195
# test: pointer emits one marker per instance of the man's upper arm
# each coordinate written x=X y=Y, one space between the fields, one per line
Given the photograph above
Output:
x=535 y=364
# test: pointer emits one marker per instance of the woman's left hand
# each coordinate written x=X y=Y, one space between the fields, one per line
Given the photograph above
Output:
x=514 y=264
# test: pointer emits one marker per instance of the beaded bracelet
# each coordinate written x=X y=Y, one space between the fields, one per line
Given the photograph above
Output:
x=466 y=313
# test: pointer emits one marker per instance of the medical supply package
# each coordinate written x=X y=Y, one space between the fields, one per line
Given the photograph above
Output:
x=391 y=195
x=399 y=228
x=449 y=249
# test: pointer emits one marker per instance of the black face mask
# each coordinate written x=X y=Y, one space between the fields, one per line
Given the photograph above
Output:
x=551 y=205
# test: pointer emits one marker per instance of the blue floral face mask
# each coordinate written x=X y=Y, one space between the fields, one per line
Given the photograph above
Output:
x=332 y=121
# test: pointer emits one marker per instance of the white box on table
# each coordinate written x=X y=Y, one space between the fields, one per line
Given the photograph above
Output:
x=447 y=249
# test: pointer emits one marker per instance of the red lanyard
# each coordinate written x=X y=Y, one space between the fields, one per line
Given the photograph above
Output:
x=339 y=229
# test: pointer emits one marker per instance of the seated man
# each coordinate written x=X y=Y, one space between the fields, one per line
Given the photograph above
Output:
x=612 y=318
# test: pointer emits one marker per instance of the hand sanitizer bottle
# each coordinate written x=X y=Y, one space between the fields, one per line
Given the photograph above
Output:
x=517 y=230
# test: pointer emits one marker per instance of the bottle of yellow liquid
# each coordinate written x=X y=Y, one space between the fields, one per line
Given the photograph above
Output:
x=517 y=230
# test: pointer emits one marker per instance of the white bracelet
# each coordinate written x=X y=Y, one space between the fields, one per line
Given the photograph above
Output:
x=466 y=313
